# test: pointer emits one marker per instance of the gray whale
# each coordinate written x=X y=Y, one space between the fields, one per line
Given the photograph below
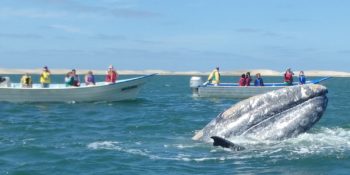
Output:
x=275 y=115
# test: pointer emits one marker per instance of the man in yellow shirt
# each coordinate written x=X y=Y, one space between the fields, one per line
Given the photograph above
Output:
x=214 y=76
x=45 y=79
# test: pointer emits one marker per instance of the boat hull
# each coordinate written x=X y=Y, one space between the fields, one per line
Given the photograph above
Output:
x=119 y=91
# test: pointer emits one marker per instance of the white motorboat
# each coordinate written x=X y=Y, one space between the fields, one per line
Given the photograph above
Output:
x=233 y=90
x=126 y=89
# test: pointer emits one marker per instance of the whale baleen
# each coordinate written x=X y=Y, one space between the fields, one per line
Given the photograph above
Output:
x=275 y=115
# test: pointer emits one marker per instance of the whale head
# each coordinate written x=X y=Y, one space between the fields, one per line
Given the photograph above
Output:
x=275 y=115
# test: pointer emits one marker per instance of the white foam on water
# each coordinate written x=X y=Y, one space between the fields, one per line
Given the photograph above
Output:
x=324 y=142
x=109 y=145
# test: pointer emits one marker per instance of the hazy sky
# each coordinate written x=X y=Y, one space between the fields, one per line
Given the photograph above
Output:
x=176 y=35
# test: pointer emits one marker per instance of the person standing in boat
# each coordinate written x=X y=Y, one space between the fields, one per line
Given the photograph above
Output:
x=258 y=81
x=302 y=78
x=26 y=81
x=111 y=75
x=288 y=77
x=76 y=79
x=248 y=79
x=90 y=79
x=241 y=81
x=45 y=77
x=214 y=77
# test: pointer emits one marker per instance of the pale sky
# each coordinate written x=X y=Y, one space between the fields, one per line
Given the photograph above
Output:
x=177 y=35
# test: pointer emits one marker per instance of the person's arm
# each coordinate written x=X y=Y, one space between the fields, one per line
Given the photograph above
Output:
x=210 y=76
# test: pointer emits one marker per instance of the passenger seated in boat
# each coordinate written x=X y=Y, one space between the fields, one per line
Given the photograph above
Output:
x=68 y=80
x=214 y=77
x=45 y=78
x=258 y=81
x=302 y=78
x=76 y=79
x=111 y=75
x=90 y=79
x=248 y=79
x=241 y=81
x=26 y=81
x=288 y=77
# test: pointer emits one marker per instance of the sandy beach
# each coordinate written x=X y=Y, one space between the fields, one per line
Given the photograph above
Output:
x=264 y=72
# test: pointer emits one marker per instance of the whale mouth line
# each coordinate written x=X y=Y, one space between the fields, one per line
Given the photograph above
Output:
x=289 y=107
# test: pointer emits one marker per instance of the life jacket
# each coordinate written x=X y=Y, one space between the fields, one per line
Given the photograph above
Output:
x=76 y=80
x=259 y=82
x=302 y=79
x=247 y=81
x=26 y=81
x=241 y=82
x=111 y=76
x=214 y=77
x=90 y=79
x=288 y=77
x=45 y=77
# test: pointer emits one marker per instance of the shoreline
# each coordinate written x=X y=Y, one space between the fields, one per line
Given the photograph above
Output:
x=264 y=72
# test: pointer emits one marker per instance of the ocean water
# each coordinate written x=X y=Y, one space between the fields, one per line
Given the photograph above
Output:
x=152 y=135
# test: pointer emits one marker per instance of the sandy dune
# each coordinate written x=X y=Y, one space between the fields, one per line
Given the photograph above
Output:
x=264 y=72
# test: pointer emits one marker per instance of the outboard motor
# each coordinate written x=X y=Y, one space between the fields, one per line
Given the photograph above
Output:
x=195 y=82
x=5 y=82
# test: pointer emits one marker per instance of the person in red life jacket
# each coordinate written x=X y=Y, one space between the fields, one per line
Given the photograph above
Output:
x=288 y=77
x=248 y=79
x=241 y=81
x=111 y=75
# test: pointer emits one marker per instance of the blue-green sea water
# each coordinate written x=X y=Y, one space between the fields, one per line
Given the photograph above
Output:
x=152 y=135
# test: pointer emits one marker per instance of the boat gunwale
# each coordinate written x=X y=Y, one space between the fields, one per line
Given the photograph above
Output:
x=120 y=82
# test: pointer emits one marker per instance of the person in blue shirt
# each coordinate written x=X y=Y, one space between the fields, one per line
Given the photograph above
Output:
x=258 y=81
x=302 y=78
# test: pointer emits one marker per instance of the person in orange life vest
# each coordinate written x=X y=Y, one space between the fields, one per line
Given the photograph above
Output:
x=111 y=75
x=288 y=77
x=248 y=79
x=241 y=81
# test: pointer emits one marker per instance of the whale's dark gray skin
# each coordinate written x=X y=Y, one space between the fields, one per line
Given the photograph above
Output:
x=275 y=115
x=218 y=141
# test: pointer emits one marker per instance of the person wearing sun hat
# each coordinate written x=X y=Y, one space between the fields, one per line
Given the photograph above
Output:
x=111 y=75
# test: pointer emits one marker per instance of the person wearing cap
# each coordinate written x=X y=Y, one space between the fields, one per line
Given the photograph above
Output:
x=76 y=79
x=45 y=78
x=111 y=75
x=214 y=77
